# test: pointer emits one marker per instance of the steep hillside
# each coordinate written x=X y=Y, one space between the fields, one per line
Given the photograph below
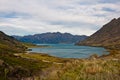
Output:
x=51 y=38
x=108 y=35
x=9 y=44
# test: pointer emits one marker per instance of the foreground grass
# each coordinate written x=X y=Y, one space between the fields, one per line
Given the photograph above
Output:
x=92 y=70
x=103 y=68
x=36 y=66
x=16 y=67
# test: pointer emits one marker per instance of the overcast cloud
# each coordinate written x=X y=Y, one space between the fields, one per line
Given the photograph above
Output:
x=23 y=17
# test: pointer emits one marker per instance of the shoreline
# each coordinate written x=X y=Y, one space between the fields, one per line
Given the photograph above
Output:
x=95 y=55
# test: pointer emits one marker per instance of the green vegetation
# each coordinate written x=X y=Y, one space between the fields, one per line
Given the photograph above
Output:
x=17 y=67
x=45 y=67
x=10 y=49
x=102 y=68
x=31 y=45
x=10 y=45
x=43 y=57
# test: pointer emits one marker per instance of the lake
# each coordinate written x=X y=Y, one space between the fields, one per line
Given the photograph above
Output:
x=70 y=50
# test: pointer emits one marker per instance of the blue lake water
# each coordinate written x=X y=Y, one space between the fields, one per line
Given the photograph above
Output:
x=70 y=50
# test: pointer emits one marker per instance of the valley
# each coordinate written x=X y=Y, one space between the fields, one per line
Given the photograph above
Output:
x=18 y=64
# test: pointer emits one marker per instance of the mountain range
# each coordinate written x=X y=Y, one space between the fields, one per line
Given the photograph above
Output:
x=107 y=36
x=55 y=37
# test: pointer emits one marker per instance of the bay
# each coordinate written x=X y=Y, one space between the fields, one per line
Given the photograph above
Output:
x=70 y=50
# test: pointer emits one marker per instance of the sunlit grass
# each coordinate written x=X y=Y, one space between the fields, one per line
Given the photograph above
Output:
x=80 y=69
x=45 y=67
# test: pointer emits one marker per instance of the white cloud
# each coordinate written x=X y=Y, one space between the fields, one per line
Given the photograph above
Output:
x=37 y=16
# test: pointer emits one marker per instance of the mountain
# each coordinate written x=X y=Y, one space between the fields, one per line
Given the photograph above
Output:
x=107 y=36
x=55 y=37
x=10 y=44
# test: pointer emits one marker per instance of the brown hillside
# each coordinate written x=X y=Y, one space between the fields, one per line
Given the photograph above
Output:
x=108 y=35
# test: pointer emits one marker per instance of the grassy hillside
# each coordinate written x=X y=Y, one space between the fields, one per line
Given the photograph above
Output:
x=9 y=44
x=15 y=68
x=45 y=67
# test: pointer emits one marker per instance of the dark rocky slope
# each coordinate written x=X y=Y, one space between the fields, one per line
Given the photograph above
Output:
x=107 y=36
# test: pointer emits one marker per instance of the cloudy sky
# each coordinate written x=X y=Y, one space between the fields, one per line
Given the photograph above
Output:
x=23 y=17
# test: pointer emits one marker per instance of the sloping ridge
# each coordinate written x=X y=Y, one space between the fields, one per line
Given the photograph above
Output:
x=9 y=44
x=108 y=35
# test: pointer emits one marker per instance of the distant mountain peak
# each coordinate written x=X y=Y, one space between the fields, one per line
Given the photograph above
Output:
x=51 y=37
